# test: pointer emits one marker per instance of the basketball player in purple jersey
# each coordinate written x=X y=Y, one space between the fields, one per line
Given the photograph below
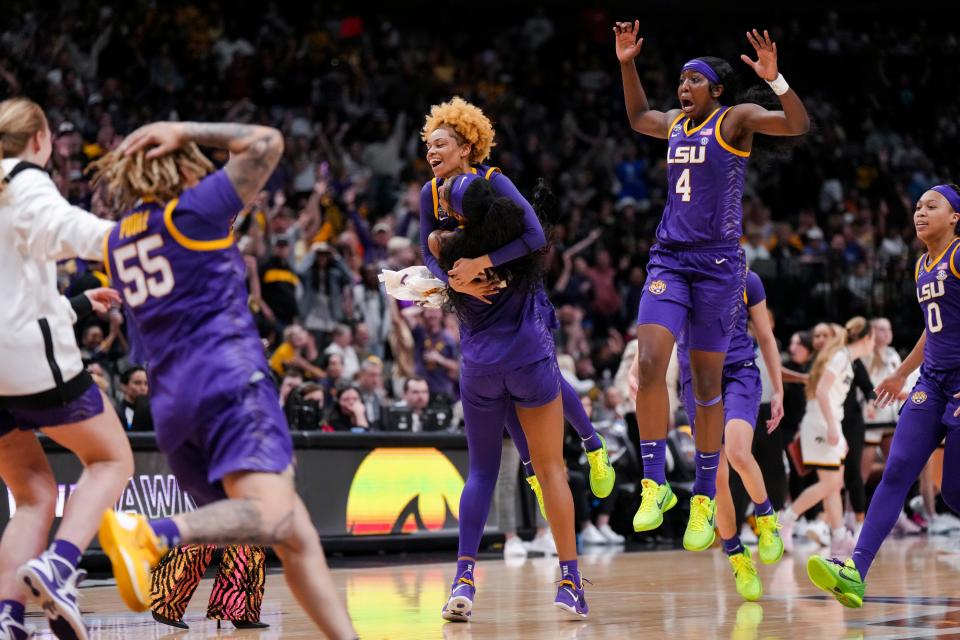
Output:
x=217 y=416
x=696 y=270
x=509 y=365
x=931 y=412
x=459 y=138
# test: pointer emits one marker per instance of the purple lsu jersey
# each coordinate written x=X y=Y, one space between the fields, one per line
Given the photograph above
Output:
x=183 y=281
x=938 y=292
x=704 y=185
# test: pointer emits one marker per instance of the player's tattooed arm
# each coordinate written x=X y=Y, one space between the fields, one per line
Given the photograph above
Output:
x=254 y=152
x=239 y=521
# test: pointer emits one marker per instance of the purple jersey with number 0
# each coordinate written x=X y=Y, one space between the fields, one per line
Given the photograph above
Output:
x=704 y=185
x=183 y=281
x=938 y=292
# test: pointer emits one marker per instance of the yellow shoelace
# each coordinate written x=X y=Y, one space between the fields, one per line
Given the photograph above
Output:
x=741 y=563
x=700 y=514
x=648 y=498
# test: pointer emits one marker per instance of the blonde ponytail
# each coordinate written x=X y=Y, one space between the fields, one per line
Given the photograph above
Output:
x=20 y=120
x=856 y=329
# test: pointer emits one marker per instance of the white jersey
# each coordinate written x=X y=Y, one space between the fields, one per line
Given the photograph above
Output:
x=889 y=362
x=38 y=227
x=813 y=428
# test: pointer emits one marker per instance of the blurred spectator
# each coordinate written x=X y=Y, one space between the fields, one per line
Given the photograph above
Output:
x=326 y=280
x=292 y=379
x=297 y=350
x=370 y=385
x=333 y=366
x=372 y=310
x=133 y=384
x=435 y=351
x=416 y=398
x=342 y=345
x=348 y=412
x=279 y=284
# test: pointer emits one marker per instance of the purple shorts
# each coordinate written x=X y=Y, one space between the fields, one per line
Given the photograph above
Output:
x=930 y=406
x=89 y=405
x=532 y=385
x=698 y=288
x=252 y=435
x=741 y=394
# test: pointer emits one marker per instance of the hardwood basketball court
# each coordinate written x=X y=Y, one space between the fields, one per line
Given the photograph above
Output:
x=913 y=592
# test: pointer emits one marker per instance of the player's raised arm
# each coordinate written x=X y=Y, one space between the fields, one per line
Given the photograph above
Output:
x=254 y=150
x=642 y=118
x=793 y=119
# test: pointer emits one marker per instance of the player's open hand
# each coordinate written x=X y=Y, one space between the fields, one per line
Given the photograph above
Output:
x=766 y=63
x=628 y=42
x=102 y=299
x=776 y=412
x=159 y=139
x=888 y=389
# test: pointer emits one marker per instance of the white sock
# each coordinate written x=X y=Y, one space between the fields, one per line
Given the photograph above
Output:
x=839 y=533
x=789 y=516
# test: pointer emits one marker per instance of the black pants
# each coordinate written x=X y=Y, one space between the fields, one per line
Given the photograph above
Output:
x=768 y=451
x=854 y=431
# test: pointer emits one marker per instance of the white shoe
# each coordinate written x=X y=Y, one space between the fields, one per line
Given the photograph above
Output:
x=592 y=535
x=842 y=547
x=747 y=536
x=10 y=628
x=916 y=504
x=849 y=520
x=513 y=548
x=819 y=532
x=940 y=525
x=952 y=521
x=542 y=544
x=906 y=527
x=612 y=536
x=787 y=526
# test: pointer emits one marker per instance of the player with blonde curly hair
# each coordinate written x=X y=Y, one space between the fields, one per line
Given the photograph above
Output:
x=459 y=137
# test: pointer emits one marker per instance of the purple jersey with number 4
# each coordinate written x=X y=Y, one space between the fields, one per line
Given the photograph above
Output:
x=938 y=292
x=183 y=281
x=705 y=185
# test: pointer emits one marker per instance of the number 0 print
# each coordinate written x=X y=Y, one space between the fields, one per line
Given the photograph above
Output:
x=151 y=277
x=683 y=185
x=934 y=322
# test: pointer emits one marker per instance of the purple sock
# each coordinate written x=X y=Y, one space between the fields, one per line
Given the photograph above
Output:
x=167 y=530
x=527 y=467
x=706 y=481
x=733 y=546
x=577 y=416
x=654 y=456
x=68 y=551
x=763 y=508
x=570 y=571
x=464 y=567
x=17 y=610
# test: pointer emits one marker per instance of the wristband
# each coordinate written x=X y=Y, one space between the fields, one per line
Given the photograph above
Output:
x=779 y=85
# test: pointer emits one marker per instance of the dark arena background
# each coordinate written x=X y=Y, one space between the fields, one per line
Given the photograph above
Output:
x=371 y=386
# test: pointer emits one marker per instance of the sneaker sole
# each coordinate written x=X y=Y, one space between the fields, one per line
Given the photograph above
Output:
x=64 y=622
x=670 y=505
x=569 y=612
x=704 y=547
x=124 y=566
x=824 y=580
x=458 y=609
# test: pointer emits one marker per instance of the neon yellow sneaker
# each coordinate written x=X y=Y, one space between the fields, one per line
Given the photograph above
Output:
x=537 y=491
x=655 y=500
x=840 y=579
x=134 y=550
x=745 y=574
x=700 y=532
x=602 y=474
x=771 y=544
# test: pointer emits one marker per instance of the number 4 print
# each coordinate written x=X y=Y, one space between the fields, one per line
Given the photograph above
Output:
x=151 y=277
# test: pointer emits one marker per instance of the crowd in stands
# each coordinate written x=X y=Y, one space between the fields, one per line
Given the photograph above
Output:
x=827 y=221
